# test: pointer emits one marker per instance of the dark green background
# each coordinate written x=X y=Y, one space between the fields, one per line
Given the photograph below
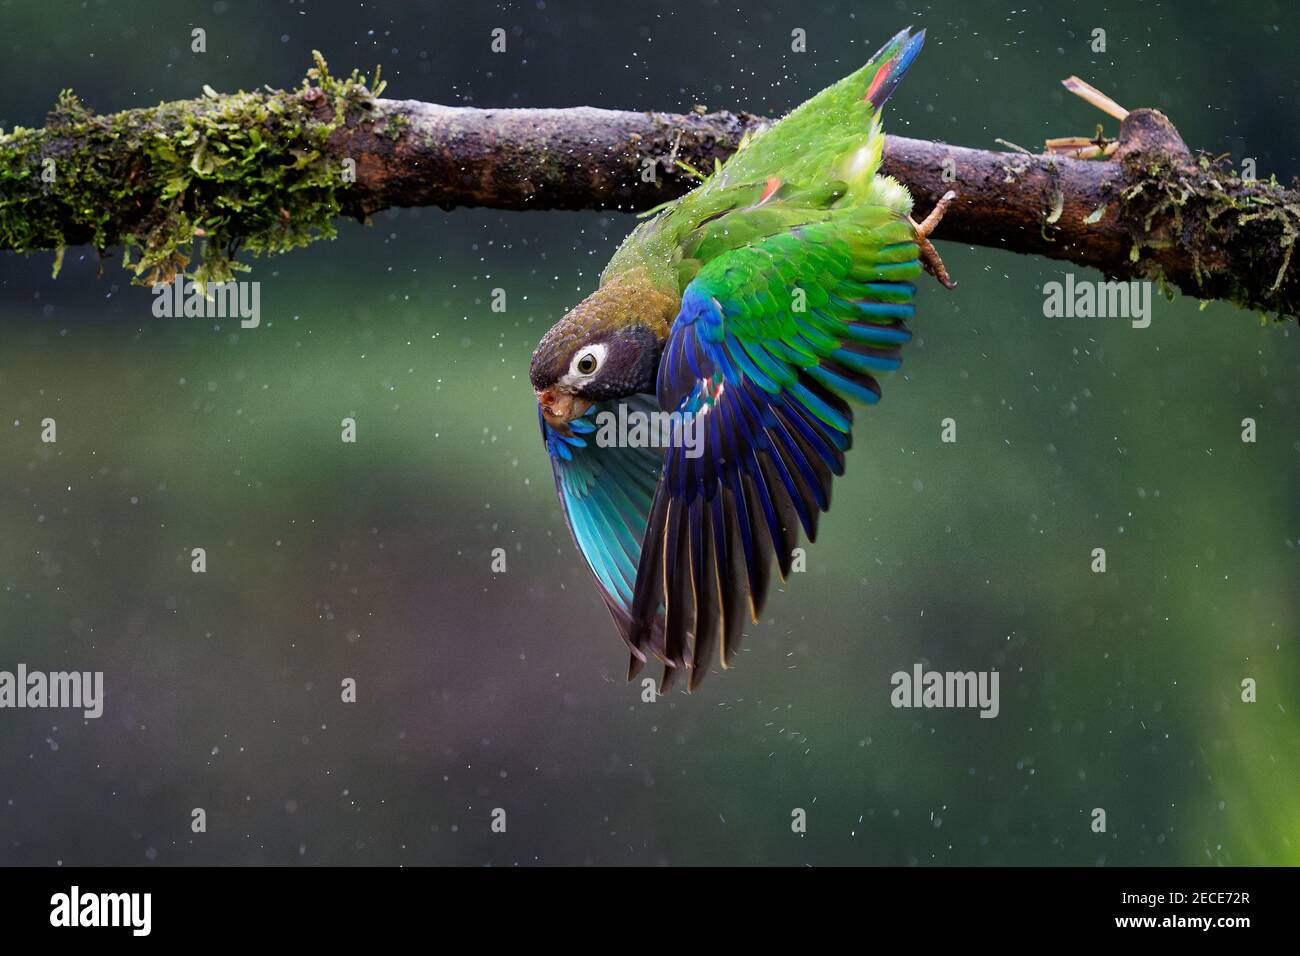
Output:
x=478 y=691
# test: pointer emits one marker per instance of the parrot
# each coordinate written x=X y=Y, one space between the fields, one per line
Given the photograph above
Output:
x=762 y=304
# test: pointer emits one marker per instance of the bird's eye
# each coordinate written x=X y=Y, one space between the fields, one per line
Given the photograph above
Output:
x=587 y=364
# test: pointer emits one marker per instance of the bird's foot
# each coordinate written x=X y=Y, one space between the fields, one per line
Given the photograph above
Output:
x=930 y=260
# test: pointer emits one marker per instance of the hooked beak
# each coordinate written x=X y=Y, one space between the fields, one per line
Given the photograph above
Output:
x=559 y=408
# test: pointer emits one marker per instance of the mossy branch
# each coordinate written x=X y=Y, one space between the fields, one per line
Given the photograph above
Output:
x=187 y=186
x=182 y=187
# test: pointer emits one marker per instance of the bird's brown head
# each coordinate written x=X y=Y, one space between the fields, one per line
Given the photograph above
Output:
x=607 y=347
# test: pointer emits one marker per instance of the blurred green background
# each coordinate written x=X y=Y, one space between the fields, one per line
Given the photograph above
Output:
x=477 y=691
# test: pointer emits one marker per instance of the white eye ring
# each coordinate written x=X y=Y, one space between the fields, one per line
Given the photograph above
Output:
x=581 y=366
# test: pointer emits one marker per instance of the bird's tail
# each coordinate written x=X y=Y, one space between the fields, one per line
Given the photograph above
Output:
x=836 y=135
x=887 y=68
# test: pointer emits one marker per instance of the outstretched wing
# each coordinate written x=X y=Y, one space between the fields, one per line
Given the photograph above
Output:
x=606 y=493
x=772 y=341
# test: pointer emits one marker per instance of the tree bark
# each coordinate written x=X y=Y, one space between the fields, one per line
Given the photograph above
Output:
x=1152 y=211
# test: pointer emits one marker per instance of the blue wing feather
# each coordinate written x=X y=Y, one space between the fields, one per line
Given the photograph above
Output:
x=606 y=493
x=777 y=425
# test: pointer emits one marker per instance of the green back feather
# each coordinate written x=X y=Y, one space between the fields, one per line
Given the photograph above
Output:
x=826 y=155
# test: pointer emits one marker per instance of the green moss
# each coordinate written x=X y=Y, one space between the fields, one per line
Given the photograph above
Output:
x=396 y=125
x=1207 y=206
x=185 y=187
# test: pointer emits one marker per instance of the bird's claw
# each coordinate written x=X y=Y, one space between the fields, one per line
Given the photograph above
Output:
x=930 y=260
